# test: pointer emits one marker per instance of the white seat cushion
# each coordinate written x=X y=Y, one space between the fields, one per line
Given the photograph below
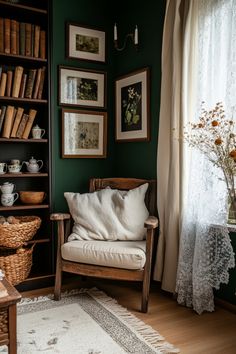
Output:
x=118 y=254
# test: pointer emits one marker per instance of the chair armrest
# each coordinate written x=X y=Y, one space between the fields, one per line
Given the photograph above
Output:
x=151 y=222
x=59 y=216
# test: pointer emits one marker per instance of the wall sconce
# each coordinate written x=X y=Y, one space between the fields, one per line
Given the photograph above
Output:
x=132 y=36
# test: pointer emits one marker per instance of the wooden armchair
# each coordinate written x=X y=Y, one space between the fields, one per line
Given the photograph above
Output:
x=101 y=271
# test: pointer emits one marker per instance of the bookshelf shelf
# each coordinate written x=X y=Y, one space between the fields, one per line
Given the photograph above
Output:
x=24 y=207
x=23 y=8
x=16 y=57
x=15 y=140
x=22 y=100
x=23 y=175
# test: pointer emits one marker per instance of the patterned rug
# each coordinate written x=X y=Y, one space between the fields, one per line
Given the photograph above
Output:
x=83 y=322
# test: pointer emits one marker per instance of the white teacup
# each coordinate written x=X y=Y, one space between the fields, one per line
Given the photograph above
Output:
x=8 y=199
x=3 y=168
x=14 y=168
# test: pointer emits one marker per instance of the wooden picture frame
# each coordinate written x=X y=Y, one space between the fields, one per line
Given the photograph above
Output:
x=85 y=43
x=133 y=106
x=84 y=134
x=81 y=87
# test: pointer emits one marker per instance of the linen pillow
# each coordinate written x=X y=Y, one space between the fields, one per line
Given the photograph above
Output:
x=108 y=214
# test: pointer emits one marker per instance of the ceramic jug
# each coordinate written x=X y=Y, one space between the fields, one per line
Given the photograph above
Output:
x=37 y=132
x=8 y=199
x=7 y=188
x=33 y=165
x=3 y=167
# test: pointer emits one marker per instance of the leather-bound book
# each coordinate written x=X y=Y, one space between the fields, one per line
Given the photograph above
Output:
x=32 y=39
x=17 y=81
x=7 y=35
x=37 y=83
x=28 y=29
x=23 y=86
x=9 y=83
x=13 y=37
x=3 y=84
x=42 y=44
x=17 y=38
x=22 y=125
x=32 y=115
x=17 y=121
x=41 y=84
x=30 y=83
x=22 y=38
x=8 y=122
x=1 y=35
x=2 y=116
x=36 y=41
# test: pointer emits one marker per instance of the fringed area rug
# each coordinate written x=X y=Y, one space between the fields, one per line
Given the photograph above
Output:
x=84 y=322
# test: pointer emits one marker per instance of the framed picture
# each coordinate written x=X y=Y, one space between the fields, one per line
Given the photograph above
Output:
x=132 y=106
x=86 y=43
x=80 y=87
x=84 y=134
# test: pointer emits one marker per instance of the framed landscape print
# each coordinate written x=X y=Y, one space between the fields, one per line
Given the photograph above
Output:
x=84 y=134
x=132 y=106
x=80 y=87
x=86 y=43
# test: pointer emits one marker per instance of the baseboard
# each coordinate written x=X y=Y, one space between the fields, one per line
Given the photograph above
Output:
x=225 y=304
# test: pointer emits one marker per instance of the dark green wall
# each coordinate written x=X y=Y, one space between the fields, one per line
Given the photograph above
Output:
x=74 y=174
x=138 y=159
x=124 y=159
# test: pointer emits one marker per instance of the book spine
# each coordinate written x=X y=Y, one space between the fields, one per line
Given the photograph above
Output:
x=41 y=84
x=9 y=83
x=22 y=86
x=8 y=122
x=17 y=121
x=3 y=84
x=28 y=29
x=17 y=81
x=22 y=38
x=32 y=39
x=42 y=44
x=17 y=38
x=30 y=83
x=32 y=115
x=1 y=35
x=36 y=41
x=2 y=116
x=37 y=83
x=7 y=35
x=22 y=125
x=13 y=37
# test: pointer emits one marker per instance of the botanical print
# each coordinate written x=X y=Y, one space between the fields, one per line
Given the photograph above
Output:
x=87 y=44
x=81 y=89
x=131 y=110
x=88 y=135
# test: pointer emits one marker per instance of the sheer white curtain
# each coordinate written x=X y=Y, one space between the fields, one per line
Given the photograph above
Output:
x=205 y=253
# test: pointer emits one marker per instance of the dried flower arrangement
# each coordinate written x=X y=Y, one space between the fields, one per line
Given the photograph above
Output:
x=215 y=137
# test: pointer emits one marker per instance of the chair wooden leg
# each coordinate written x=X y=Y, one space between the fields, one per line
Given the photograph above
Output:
x=145 y=294
x=57 y=288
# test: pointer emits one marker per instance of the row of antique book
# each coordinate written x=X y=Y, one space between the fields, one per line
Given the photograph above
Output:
x=22 y=38
x=20 y=82
x=15 y=122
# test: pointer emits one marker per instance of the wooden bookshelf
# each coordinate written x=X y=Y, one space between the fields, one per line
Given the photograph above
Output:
x=37 y=14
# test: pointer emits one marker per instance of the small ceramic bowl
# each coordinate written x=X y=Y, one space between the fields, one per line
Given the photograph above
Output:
x=32 y=197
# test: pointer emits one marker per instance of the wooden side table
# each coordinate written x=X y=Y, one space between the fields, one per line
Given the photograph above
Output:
x=8 y=317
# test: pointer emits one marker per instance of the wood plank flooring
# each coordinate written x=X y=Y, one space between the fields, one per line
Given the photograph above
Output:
x=209 y=333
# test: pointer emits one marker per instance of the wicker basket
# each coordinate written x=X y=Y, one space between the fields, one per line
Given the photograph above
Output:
x=15 y=235
x=3 y=320
x=16 y=263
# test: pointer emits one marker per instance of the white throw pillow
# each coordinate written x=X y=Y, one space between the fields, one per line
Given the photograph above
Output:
x=108 y=214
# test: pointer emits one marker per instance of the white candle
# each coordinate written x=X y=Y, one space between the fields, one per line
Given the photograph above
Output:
x=136 y=35
x=115 y=32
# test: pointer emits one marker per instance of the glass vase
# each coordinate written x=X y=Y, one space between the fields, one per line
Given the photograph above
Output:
x=232 y=211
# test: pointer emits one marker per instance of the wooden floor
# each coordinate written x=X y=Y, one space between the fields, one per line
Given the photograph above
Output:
x=209 y=333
